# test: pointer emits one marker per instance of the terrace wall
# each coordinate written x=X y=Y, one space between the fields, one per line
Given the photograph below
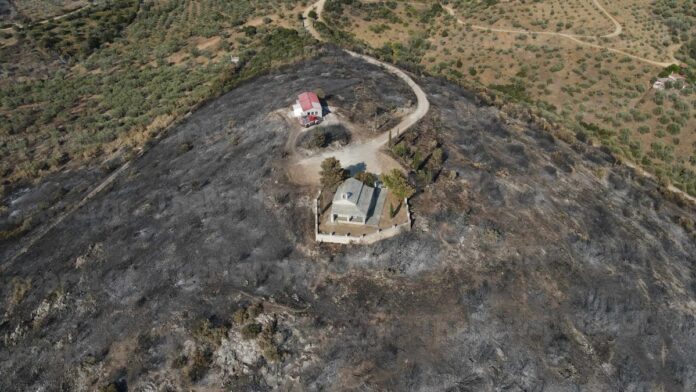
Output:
x=364 y=239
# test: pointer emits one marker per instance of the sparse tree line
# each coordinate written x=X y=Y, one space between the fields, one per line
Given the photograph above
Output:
x=80 y=34
x=131 y=89
x=420 y=150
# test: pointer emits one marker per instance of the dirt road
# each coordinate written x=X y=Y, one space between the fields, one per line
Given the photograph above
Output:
x=368 y=153
x=618 y=29
x=573 y=37
x=53 y=18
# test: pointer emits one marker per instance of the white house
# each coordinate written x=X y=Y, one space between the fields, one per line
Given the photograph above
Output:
x=352 y=202
x=660 y=83
x=307 y=105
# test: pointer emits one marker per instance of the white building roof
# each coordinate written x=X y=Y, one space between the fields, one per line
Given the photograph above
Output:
x=352 y=198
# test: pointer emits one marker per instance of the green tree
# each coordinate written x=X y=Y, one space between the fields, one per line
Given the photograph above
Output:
x=313 y=14
x=417 y=160
x=332 y=172
x=251 y=330
x=400 y=149
x=437 y=157
x=319 y=140
x=397 y=183
x=366 y=178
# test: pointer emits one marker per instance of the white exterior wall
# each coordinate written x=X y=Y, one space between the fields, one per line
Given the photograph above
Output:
x=316 y=111
x=365 y=238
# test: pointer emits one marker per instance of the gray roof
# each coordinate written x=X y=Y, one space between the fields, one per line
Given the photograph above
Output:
x=352 y=198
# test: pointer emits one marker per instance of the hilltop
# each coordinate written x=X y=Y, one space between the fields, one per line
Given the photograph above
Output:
x=157 y=216
x=536 y=263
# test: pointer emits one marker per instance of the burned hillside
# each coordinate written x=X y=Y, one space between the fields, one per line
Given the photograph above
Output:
x=539 y=265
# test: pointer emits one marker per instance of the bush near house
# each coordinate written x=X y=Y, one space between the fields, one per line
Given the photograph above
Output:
x=367 y=178
x=397 y=184
x=332 y=173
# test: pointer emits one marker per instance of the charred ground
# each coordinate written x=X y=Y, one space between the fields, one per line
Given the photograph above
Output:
x=541 y=266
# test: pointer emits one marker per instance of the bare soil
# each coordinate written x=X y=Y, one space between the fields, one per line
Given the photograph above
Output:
x=541 y=266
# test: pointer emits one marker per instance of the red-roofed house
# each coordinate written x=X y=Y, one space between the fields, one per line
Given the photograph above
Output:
x=308 y=108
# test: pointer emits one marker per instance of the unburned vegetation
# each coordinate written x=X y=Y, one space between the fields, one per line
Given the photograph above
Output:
x=321 y=137
x=592 y=82
x=103 y=81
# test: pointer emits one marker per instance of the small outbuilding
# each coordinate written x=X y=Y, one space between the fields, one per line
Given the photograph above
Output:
x=352 y=202
x=308 y=109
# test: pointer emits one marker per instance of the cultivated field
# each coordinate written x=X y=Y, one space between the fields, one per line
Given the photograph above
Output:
x=34 y=10
x=586 y=64
x=96 y=85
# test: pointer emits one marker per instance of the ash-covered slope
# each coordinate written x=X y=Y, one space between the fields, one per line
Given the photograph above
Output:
x=539 y=267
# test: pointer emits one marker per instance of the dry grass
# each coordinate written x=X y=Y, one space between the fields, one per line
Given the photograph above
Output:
x=574 y=82
x=41 y=9
x=86 y=114
x=563 y=16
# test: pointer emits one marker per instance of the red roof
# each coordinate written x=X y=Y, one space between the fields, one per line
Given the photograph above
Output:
x=307 y=100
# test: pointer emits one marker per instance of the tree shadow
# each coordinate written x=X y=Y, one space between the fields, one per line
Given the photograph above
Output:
x=356 y=168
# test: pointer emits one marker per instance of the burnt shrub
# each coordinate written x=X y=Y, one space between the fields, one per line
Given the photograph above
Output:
x=250 y=331
x=321 y=137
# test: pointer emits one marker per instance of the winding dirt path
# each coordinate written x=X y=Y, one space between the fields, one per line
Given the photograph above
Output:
x=366 y=153
x=370 y=153
x=53 y=18
x=618 y=29
x=573 y=37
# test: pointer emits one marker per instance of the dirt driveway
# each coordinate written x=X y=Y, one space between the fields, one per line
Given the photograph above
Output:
x=367 y=155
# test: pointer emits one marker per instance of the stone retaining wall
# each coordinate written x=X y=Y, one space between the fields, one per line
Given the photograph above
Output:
x=379 y=235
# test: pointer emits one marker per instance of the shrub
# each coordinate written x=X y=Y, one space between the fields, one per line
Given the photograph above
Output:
x=367 y=178
x=184 y=147
x=673 y=128
x=251 y=330
x=240 y=316
x=401 y=150
x=397 y=184
x=319 y=140
x=437 y=157
x=269 y=348
x=207 y=333
x=332 y=172
x=20 y=288
x=199 y=366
